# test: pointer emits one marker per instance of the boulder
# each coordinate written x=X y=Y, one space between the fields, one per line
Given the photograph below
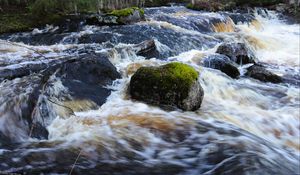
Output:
x=237 y=52
x=102 y=20
x=147 y=49
x=222 y=63
x=87 y=77
x=260 y=73
x=30 y=103
x=171 y=85
x=99 y=37
x=117 y=17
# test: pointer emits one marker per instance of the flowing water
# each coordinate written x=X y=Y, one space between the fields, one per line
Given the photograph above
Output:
x=244 y=126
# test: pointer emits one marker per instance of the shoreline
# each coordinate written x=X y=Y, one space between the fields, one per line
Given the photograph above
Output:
x=18 y=19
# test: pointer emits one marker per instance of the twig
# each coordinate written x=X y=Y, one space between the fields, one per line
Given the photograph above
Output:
x=75 y=162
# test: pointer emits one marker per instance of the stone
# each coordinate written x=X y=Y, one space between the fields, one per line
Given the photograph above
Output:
x=237 y=52
x=173 y=85
x=222 y=63
x=260 y=73
x=117 y=17
x=31 y=101
x=147 y=49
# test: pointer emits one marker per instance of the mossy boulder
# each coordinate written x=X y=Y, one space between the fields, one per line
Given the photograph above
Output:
x=127 y=11
x=14 y=23
x=171 y=85
x=128 y=15
x=117 y=17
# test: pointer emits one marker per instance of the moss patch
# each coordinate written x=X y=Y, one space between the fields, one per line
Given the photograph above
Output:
x=166 y=84
x=179 y=71
x=170 y=74
x=14 y=23
x=10 y=23
x=126 y=12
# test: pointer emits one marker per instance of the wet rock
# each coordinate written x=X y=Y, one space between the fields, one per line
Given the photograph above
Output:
x=237 y=52
x=129 y=15
x=117 y=17
x=170 y=85
x=241 y=17
x=263 y=12
x=32 y=102
x=87 y=77
x=291 y=12
x=102 y=20
x=147 y=49
x=48 y=38
x=95 y=38
x=262 y=74
x=70 y=23
x=17 y=70
x=222 y=63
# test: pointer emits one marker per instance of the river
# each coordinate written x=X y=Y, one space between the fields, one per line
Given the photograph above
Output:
x=244 y=126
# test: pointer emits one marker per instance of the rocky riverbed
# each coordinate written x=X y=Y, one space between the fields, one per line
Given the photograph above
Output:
x=66 y=105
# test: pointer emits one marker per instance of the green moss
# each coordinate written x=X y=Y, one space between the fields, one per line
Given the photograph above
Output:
x=190 y=6
x=142 y=11
x=126 y=12
x=172 y=77
x=180 y=71
x=24 y=22
x=14 y=23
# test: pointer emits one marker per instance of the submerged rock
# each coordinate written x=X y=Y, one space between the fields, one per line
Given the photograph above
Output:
x=173 y=85
x=262 y=74
x=222 y=63
x=237 y=52
x=117 y=17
